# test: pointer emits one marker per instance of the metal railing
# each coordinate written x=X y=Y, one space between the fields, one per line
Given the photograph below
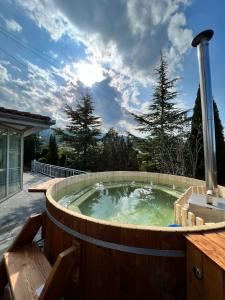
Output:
x=53 y=171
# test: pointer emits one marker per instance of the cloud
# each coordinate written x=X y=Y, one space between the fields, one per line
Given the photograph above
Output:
x=134 y=31
x=4 y=73
x=12 y=25
x=126 y=34
x=179 y=36
x=122 y=42
x=39 y=92
x=46 y=16
x=108 y=103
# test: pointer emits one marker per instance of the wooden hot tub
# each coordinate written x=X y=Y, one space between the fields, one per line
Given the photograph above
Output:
x=119 y=261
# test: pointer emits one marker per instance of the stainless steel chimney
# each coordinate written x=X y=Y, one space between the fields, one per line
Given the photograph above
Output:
x=208 y=126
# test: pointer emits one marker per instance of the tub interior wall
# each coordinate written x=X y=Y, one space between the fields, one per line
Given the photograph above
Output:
x=76 y=183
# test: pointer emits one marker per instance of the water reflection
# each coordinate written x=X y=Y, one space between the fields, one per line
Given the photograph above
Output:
x=133 y=203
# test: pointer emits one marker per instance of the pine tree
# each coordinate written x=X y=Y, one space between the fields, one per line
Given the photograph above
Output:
x=195 y=155
x=196 y=152
x=83 y=129
x=220 y=146
x=32 y=147
x=163 y=121
x=52 y=150
x=132 y=154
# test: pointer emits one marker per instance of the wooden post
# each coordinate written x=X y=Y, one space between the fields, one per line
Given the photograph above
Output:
x=191 y=219
x=184 y=215
x=199 y=221
x=178 y=214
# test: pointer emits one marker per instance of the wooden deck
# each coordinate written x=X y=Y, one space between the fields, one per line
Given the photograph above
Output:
x=42 y=187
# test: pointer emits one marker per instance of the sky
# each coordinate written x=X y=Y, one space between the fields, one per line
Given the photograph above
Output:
x=52 y=52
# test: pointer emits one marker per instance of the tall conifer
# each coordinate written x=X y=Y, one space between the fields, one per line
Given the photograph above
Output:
x=52 y=150
x=83 y=129
x=163 y=121
x=196 y=143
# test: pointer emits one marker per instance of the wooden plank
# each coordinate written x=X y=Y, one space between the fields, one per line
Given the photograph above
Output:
x=210 y=246
x=57 y=279
x=109 y=274
x=28 y=269
x=172 y=270
x=213 y=287
x=178 y=213
x=191 y=219
x=25 y=236
x=184 y=215
x=217 y=239
x=28 y=232
x=42 y=187
x=199 y=221
x=194 y=285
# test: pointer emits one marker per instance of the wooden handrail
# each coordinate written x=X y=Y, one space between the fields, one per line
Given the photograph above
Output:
x=57 y=279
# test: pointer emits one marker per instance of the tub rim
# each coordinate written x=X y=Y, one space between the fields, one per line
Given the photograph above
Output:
x=184 y=229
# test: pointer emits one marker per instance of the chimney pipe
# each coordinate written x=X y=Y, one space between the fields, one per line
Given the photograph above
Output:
x=208 y=126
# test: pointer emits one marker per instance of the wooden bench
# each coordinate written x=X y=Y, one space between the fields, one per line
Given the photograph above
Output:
x=28 y=272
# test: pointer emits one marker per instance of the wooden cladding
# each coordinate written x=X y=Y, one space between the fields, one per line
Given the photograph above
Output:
x=111 y=274
x=205 y=278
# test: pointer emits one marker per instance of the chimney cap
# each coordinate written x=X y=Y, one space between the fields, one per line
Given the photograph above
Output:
x=206 y=34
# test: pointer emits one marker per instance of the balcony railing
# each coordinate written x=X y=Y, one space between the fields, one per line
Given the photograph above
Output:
x=52 y=170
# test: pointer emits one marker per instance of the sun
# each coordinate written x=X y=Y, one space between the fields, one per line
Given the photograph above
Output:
x=89 y=73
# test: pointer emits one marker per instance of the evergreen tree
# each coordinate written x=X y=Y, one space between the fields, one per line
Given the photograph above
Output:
x=110 y=155
x=118 y=152
x=83 y=130
x=32 y=145
x=163 y=121
x=132 y=154
x=220 y=146
x=52 y=151
x=196 y=153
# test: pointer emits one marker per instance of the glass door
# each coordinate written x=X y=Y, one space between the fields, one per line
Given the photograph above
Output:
x=3 y=162
x=14 y=183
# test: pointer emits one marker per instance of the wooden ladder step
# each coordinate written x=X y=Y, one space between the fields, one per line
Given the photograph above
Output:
x=27 y=269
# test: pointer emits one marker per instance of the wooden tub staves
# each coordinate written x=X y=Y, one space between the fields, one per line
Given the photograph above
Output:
x=118 y=261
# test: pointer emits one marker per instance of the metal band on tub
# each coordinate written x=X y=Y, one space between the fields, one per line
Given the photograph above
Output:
x=114 y=246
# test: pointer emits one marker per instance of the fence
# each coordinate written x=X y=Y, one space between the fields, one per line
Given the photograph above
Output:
x=53 y=171
x=183 y=215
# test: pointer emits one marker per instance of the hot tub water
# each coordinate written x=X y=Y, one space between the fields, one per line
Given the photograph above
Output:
x=126 y=202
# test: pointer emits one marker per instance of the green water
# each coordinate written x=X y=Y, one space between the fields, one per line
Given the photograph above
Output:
x=128 y=202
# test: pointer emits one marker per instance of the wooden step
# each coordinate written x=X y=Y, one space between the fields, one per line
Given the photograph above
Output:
x=28 y=270
x=211 y=243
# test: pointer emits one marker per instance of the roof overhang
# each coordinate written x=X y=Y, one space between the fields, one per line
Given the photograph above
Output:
x=25 y=122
